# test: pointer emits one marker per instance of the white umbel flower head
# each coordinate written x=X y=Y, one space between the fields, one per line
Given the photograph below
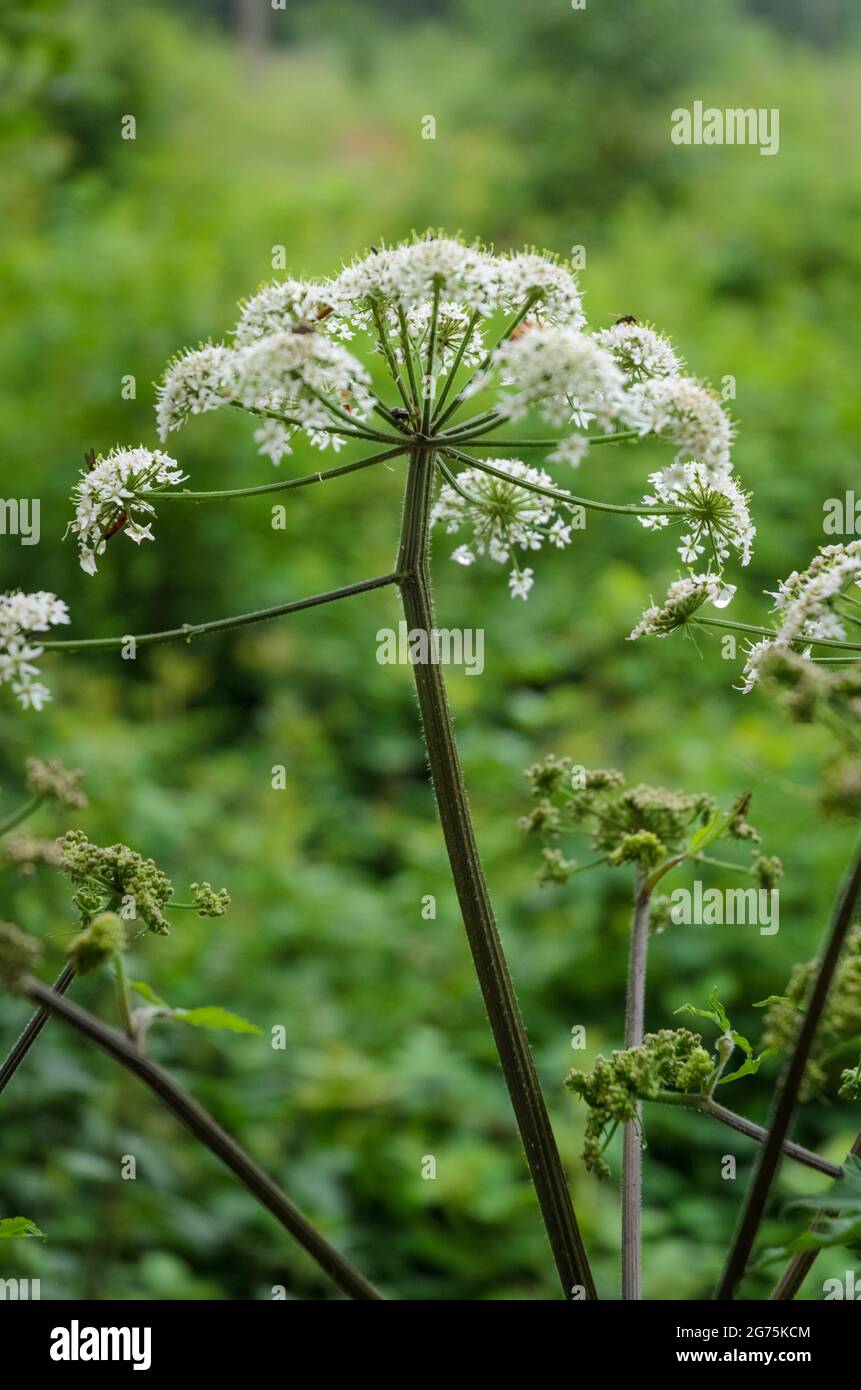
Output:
x=22 y=615
x=564 y=374
x=504 y=515
x=196 y=381
x=281 y=374
x=549 y=283
x=689 y=414
x=111 y=497
x=278 y=307
x=716 y=512
x=639 y=351
x=684 y=598
x=805 y=601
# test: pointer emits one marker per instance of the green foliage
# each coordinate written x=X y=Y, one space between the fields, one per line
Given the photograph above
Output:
x=840 y=1029
x=839 y=1216
x=206 y=1016
x=18 y=1227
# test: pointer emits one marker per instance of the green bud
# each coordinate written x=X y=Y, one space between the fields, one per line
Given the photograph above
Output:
x=208 y=901
x=96 y=944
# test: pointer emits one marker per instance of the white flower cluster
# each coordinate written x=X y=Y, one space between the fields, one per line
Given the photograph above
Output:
x=21 y=615
x=110 y=497
x=278 y=307
x=451 y=330
x=805 y=604
x=689 y=414
x=505 y=516
x=684 y=597
x=639 y=350
x=282 y=373
x=715 y=511
x=410 y=275
x=565 y=375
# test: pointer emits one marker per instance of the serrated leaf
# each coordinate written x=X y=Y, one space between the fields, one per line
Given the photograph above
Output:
x=741 y=1042
x=776 y=999
x=749 y=1067
x=843 y=1196
x=142 y=988
x=18 y=1227
x=701 y=837
x=211 y=1016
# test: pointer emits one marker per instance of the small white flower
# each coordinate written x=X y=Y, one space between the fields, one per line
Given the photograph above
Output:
x=21 y=615
x=276 y=308
x=111 y=496
x=714 y=508
x=520 y=582
x=273 y=440
x=463 y=555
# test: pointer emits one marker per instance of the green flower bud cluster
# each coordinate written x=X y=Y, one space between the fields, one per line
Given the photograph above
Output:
x=103 y=877
x=841 y=1019
x=19 y=956
x=210 y=902
x=96 y=944
x=850 y=1083
x=52 y=779
x=673 y=1059
x=641 y=825
x=641 y=848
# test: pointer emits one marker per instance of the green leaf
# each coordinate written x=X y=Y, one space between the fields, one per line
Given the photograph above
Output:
x=211 y=1016
x=715 y=1012
x=16 y=1227
x=701 y=837
x=741 y=1042
x=777 y=999
x=749 y=1067
x=142 y=988
x=843 y=1197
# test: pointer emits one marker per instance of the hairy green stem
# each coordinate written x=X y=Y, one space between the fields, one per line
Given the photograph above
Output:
x=204 y=1128
x=771 y=632
x=632 y=1148
x=283 y=484
x=769 y=1159
x=497 y=990
x=190 y=630
x=558 y=494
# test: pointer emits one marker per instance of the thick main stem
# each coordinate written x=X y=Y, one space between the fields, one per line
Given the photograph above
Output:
x=497 y=990
x=769 y=1159
x=204 y=1128
x=632 y=1148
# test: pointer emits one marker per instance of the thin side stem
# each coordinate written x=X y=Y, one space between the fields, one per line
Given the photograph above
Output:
x=753 y=631
x=632 y=1148
x=515 y=323
x=801 y=1264
x=558 y=494
x=204 y=1128
x=769 y=1159
x=21 y=814
x=705 y=1105
x=186 y=633
x=20 y=1049
x=458 y=358
x=497 y=990
x=474 y=443
x=283 y=484
x=356 y=433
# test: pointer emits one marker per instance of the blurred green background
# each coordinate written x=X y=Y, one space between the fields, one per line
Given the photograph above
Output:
x=302 y=127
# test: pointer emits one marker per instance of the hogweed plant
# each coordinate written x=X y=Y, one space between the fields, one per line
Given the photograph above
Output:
x=474 y=347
